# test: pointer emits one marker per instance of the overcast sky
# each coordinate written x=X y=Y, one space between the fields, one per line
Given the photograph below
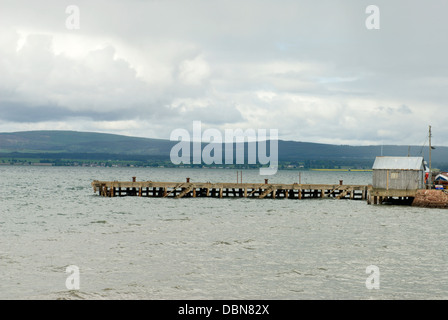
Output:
x=310 y=69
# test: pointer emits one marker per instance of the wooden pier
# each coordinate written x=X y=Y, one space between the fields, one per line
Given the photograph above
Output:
x=265 y=190
x=380 y=196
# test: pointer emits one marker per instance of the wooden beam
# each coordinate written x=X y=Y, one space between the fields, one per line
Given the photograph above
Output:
x=342 y=194
x=266 y=192
x=184 y=192
x=174 y=189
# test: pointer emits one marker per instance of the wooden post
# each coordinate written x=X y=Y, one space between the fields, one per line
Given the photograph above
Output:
x=430 y=165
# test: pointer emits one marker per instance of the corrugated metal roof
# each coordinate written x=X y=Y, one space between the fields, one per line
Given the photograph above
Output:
x=398 y=163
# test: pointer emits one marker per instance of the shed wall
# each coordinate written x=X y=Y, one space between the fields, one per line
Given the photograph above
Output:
x=398 y=179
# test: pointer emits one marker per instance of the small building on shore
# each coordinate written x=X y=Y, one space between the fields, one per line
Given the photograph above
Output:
x=397 y=177
x=399 y=173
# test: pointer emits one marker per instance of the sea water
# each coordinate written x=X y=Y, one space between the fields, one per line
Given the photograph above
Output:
x=209 y=248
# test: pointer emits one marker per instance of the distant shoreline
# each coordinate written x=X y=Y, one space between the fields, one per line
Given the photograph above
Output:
x=102 y=165
x=358 y=170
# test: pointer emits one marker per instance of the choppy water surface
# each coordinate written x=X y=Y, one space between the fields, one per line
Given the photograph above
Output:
x=145 y=248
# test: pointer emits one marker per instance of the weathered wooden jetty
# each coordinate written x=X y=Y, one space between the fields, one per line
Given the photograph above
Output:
x=265 y=190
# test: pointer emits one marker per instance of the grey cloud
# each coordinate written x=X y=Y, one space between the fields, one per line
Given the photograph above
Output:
x=401 y=67
x=404 y=109
x=16 y=112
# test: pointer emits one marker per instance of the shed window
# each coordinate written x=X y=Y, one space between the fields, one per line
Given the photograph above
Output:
x=394 y=175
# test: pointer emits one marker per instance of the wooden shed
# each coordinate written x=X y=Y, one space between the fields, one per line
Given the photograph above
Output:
x=398 y=173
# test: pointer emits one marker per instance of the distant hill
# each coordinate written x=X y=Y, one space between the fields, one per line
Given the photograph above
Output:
x=81 y=142
x=72 y=144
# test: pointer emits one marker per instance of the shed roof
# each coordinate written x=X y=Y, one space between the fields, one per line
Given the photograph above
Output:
x=398 y=163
